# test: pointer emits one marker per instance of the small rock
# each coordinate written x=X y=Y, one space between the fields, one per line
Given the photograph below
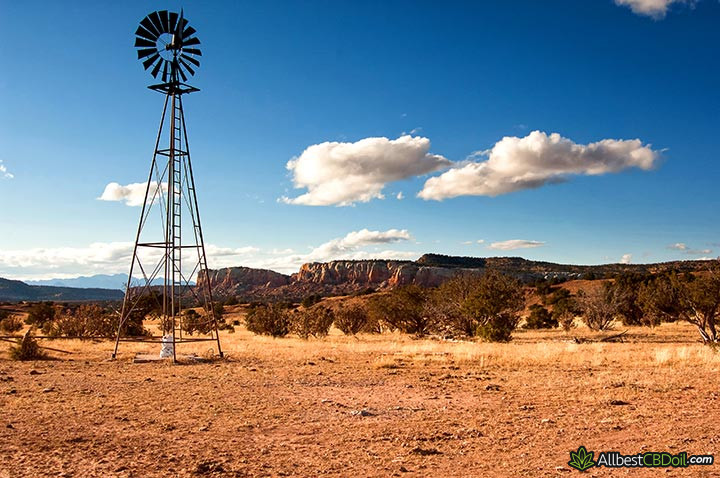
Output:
x=362 y=413
x=492 y=387
x=35 y=372
x=48 y=390
x=309 y=363
x=10 y=426
x=403 y=469
x=203 y=428
x=425 y=451
x=619 y=402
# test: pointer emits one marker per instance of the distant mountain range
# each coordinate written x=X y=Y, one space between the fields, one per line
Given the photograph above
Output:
x=102 y=281
x=15 y=290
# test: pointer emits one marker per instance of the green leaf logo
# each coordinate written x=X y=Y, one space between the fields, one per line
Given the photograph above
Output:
x=581 y=459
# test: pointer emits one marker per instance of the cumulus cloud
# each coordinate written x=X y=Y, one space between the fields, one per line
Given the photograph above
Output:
x=341 y=174
x=337 y=248
x=515 y=244
x=626 y=259
x=680 y=246
x=133 y=194
x=656 y=9
x=4 y=173
x=470 y=243
x=514 y=164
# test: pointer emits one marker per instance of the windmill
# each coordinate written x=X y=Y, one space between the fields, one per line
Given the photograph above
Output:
x=169 y=245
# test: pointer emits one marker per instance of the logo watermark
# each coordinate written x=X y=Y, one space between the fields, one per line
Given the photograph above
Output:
x=582 y=459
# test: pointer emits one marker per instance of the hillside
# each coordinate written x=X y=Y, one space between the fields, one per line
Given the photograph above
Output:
x=15 y=290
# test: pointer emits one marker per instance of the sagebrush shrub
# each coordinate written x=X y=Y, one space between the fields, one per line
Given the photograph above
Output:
x=314 y=321
x=27 y=349
x=351 y=319
x=270 y=319
x=10 y=323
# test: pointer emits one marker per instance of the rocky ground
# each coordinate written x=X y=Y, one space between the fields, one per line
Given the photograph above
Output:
x=388 y=406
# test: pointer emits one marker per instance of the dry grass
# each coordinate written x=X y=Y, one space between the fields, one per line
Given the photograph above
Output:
x=358 y=406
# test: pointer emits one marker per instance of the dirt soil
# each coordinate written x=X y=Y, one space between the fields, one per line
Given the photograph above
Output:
x=359 y=407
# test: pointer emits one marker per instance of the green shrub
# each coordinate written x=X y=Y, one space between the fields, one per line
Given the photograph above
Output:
x=495 y=303
x=540 y=318
x=351 y=319
x=40 y=314
x=499 y=328
x=85 y=321
x=315 y=321
x=405 y=309
x=191 y=321
x=271 y=319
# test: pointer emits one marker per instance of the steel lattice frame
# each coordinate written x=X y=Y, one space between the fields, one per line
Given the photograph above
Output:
x=176 y=201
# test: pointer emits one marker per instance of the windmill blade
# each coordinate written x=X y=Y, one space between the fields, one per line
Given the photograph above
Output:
x=141 y=32
x=164 y=20
x=155 y=70
x=147 y=63
x=139 y=41
x=149 y=26
x=193 y=51
x=165 y=72
x=190 y=59
x=146 y=52
x=188 y=67
x=155 y=19
x=184 y=77
x=191 y=41
x=173 y=18
x=187 y=33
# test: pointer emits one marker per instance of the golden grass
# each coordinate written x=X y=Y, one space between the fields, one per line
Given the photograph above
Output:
x=529 y=348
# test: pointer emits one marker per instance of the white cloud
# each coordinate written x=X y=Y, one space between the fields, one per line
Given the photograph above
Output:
x=470 y=243
x=681 y=246
x=400 y=196
x=133 y=194
x=4 y=172
x=656 y=9
x=114 y=257
x=515 y=244
x=626 y=259
x=348 y=245
x=99 y=258
x=514 y=164
x=345 y=173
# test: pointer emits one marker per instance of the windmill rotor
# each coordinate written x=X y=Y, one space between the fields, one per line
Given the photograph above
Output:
x=167 y=46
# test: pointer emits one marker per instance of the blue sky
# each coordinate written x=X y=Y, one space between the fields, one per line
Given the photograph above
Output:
x=434 y=82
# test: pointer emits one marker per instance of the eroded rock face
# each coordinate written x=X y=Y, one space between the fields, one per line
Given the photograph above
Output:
x=335 y=277
x=238 y=280
x=430 y=270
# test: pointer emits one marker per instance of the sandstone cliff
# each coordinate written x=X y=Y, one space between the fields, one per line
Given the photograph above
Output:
x=430 y=270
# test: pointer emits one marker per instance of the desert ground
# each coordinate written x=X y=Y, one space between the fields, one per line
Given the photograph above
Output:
x=371 y=405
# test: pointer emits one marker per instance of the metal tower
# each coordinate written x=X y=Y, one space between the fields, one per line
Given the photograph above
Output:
x=169 y=246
